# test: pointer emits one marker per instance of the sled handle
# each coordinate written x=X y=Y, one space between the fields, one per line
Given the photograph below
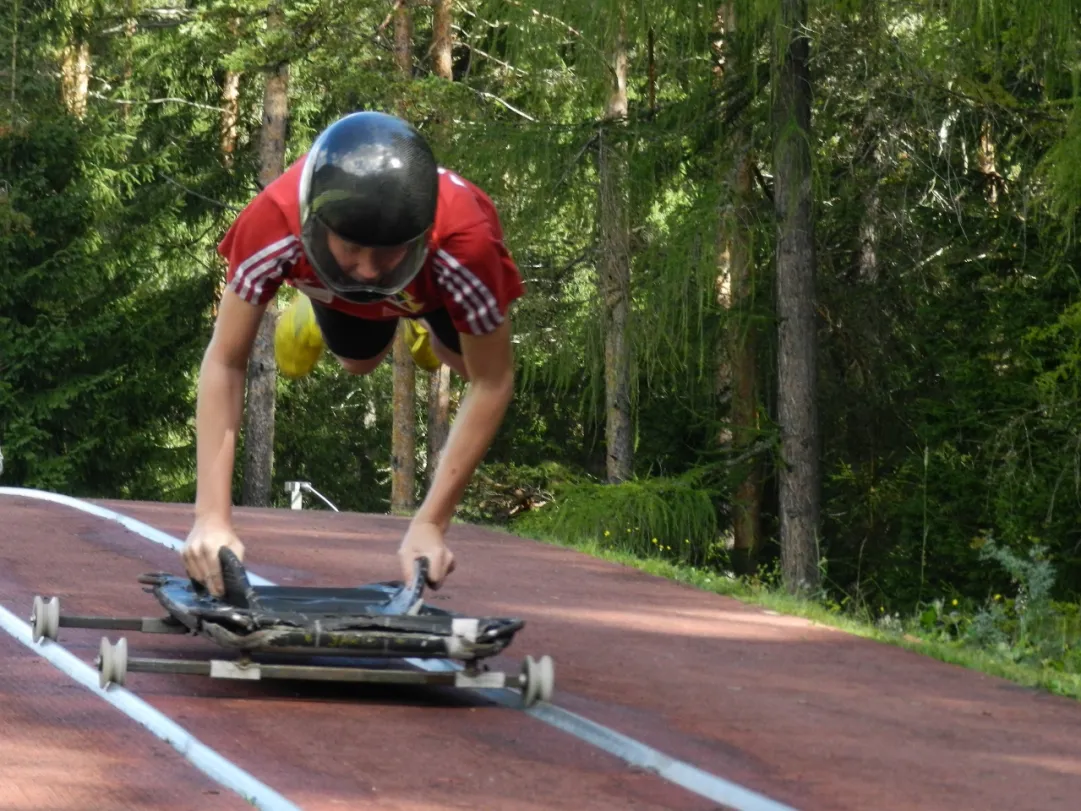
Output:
x=421 y=566
x=238 y=590
x=409 y=596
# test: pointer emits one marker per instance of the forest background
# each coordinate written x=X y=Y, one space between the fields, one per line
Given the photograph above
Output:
x=802 y=319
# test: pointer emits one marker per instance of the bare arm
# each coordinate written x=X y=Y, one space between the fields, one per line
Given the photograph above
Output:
x=220 y=406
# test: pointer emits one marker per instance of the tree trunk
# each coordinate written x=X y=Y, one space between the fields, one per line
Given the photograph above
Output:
x=403 y=435
x=14 y=67
x=438 y=417
x=262 y=372
x=403 y=39
x=131 y=25
x=230 y=108
x=615 y=278
x=403 y=453
x=652 y=73
x=797 y=350
x=868 y=230
x=736 y=290
x=75 y=77
x=439 y=380
x=985 y=156
x=442 y=43
x=743 y=345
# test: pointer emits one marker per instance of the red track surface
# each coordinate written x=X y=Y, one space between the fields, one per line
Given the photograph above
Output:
x=808 y=716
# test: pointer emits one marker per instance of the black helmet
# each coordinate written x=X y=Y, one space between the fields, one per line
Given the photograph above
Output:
x=371 y=179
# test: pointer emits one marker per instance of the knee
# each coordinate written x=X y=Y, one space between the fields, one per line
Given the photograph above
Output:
x=448 y=357
x=362 y=366
x=359 y=367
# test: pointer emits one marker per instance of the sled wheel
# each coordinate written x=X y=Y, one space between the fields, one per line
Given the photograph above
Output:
x=52 y=618
x=45 y=618
x=546 y=678
x=37 y=618
x=531 y=681
x=113 y=662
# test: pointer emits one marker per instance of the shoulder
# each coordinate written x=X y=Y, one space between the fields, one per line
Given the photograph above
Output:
x=462 y=205
x=284 y=193
x=263 y=242
x=278 y=204
x=467 y=226
x=470 y=263
x=271 y=216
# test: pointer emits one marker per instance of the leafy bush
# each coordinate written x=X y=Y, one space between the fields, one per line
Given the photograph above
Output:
x=1027 y=628
x=673 y=518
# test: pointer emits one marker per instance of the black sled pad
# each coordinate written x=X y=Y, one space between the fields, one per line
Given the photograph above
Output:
x=387 y=620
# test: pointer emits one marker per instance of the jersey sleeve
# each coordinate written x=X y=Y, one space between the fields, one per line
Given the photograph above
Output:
x=259 y=249
x=477 y=278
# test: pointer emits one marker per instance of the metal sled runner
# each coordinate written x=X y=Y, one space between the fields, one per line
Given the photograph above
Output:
x=382 y=621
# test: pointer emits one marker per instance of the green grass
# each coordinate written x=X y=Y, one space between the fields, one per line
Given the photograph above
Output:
x=906 y=634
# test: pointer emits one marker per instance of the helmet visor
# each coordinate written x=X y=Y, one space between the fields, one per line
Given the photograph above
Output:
x=393 y=276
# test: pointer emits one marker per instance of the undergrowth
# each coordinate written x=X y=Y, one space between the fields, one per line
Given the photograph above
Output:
x=673 y=518
x=1032 y=645
x=666 y=527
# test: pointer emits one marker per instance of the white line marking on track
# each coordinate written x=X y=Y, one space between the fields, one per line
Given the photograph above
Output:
x=731 y=795
x=138 y=527
x=205 y=759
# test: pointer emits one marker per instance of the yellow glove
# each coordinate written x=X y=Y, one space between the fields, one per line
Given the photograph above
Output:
x=298 y=343
x=420 y=346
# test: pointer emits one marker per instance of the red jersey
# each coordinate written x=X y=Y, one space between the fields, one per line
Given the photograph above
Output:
x=468 y=269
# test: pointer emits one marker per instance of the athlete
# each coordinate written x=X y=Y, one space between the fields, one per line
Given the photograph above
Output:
x=369 y=229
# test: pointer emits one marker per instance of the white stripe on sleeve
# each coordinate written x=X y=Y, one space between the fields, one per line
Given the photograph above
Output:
x=477 y=284
x=443 y=277
x=276 y=269
x=263 y=266
x=470 y=297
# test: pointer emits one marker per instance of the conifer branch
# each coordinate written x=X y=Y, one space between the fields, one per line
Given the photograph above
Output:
x=166 y=100
x=492 y=97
